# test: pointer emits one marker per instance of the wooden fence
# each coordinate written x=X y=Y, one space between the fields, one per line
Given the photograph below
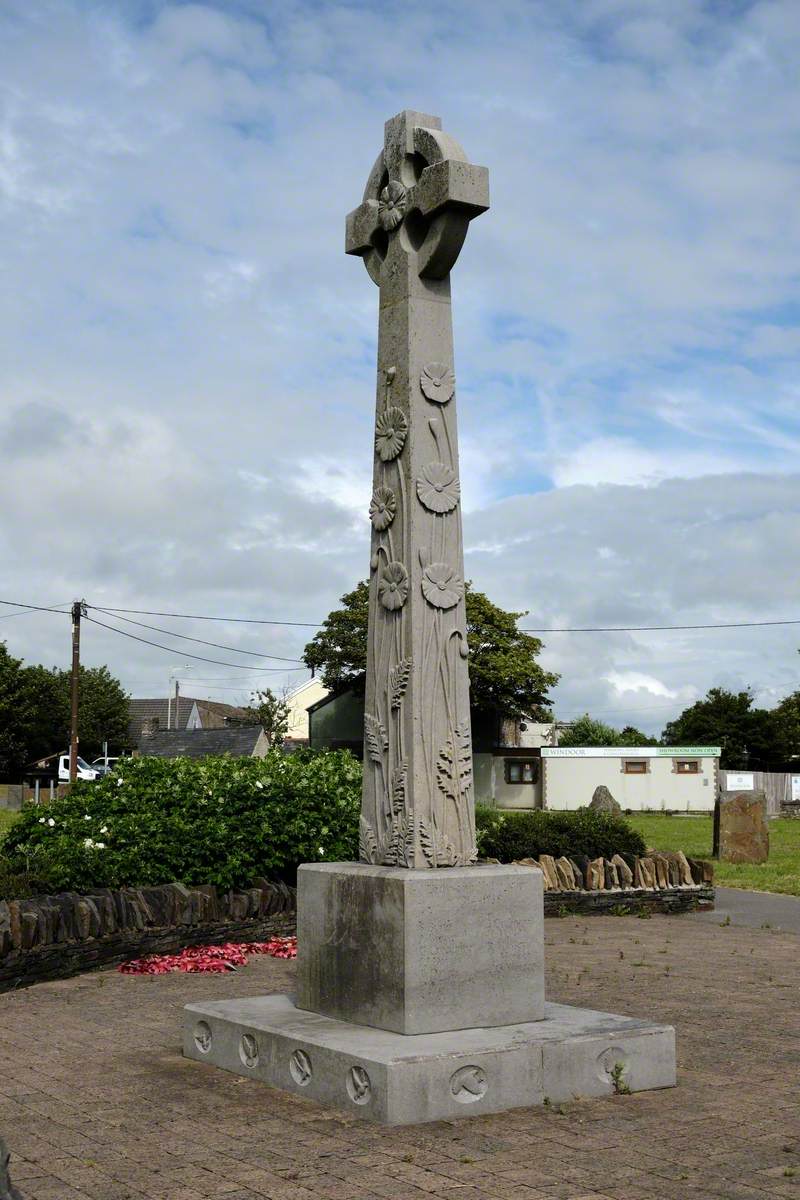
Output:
x=776 y=787
x=15 y=796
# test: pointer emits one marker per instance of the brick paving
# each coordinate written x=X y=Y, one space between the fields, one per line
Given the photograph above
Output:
x=96 y=1102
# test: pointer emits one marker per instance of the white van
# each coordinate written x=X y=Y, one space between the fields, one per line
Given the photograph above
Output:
x=84 y=770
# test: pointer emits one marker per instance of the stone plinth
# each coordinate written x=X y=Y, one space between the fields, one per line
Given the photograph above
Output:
x=742 y=834
x=421 y=951
x=403 y=1080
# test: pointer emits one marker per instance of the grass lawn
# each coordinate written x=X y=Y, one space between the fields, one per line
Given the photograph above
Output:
x=7 y=819
x=693 y=835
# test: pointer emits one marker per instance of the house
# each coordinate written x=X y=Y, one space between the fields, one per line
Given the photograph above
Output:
x=244 y=741
x=191 y=714
x=300 y=700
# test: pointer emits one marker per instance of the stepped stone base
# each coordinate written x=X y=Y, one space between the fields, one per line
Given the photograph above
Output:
x=397 y=1079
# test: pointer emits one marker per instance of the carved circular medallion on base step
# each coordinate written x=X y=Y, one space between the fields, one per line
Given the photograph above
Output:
x=300 y=1068
x=248 y=1050
x=203 y=1037
x=359 y=1087
x=468 y=1084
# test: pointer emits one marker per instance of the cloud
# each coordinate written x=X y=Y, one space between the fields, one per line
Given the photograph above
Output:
x=187 y=381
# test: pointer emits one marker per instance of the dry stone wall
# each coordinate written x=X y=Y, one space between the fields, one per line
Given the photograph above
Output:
x=49 y=937
x=661 y=881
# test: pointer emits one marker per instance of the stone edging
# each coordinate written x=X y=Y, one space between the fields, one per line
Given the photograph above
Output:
x=629 y=901
x=51 y=937
x=655 y=871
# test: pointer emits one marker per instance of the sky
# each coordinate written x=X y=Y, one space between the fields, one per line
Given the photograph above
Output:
x=187 y=356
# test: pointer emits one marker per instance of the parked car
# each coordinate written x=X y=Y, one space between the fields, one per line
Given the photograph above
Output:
x=85 y=770
x=104 y=765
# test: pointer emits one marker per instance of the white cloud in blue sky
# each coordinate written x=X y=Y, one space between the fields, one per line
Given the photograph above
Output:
x=187 y=356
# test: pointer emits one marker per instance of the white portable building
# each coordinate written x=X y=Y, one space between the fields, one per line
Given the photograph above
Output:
x=640 y=778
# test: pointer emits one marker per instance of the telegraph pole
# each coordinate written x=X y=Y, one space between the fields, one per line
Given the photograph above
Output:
x=78 y=611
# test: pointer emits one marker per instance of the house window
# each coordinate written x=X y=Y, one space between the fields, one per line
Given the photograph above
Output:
x=634 y=766
x=522 y=770
x=687 y=766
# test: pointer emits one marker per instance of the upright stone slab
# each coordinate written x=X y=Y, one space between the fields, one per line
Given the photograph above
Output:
x=743 y=833
x=420 y=974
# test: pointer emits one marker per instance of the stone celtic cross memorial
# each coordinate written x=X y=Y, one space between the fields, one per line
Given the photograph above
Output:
x=420 y=973
x=417 y=805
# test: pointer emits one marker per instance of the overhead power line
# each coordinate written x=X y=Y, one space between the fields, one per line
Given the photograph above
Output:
x=186 y=638
x=653 y=628
x=523 y=629
x=145 y=612
x=200 y=658
x=64 y=608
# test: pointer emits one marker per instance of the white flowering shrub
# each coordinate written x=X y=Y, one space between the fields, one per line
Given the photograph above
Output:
x=221 y=820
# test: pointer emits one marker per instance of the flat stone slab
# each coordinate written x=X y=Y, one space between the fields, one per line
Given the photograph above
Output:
x=397 y=1079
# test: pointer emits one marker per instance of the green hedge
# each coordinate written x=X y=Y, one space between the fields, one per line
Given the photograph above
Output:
x=227 y=821
x=514 y=835
x=221 y=820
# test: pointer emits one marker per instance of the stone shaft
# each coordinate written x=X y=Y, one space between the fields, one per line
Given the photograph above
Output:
x=417 y=805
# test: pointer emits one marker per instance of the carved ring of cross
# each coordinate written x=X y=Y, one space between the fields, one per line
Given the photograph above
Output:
x=420 y=196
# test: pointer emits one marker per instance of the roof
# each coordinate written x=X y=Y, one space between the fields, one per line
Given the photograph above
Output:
x=213 y=714
x=148 y=710
x=239 y=741
x=224 y=713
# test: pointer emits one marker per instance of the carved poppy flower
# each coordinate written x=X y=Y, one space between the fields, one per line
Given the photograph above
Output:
x=390 y=433
x=382 y=508
x=393 y=586
x=437 y=382
x=438 y=488
x=442 y=586
x=392 y=205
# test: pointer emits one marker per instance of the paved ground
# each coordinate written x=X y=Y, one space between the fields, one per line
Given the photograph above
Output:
x=97 y=1104
x=755 y=910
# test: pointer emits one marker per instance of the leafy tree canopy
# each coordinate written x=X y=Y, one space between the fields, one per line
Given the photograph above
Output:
x=786 y=728
x=505 y=676
x=726 y=719
x=587 y=731
x=35 y=707
x=271 y=712
x=14 y=715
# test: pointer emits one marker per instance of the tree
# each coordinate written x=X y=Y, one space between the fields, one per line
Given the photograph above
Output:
x=102 y=710
x=726 y=719
x=339 y=650
x=14 y=716
x=505 y=677
x=631 y=736
x=786 y=728
x=587 y=731
x=272 y=713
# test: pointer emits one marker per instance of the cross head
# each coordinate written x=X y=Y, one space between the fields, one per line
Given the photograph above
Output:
x=420 y=196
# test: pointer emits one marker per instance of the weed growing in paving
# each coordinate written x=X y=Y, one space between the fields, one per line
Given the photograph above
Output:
x=617 y=1073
